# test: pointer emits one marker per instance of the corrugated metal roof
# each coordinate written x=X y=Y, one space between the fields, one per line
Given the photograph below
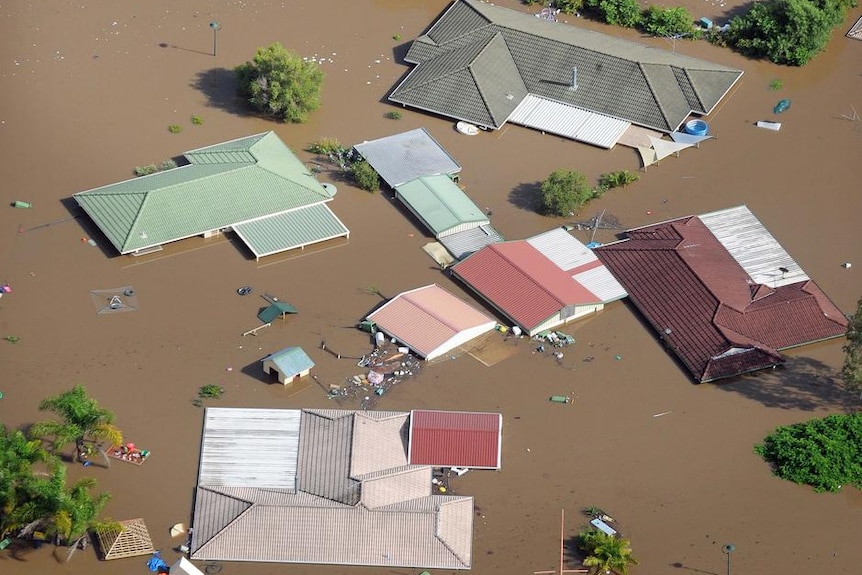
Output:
x=403 y=157
x=569 y=121
x=265 y=440
x=290 y=230
x=456 y=439
x=430 y=320
x=521 y=282
x=462 y=244
x=290 y=361
x=473 y=41
x=440 y=204
x=225 y=184
x=753 y=247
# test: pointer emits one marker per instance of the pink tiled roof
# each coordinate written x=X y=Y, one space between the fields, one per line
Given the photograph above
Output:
x=705 y=307
x=455 y=439
x=426 y=318
x=522 y=282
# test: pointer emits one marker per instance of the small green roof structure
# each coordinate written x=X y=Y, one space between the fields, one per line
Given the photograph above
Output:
x=289 y=363
x=274 y=310
x=254 y=186
x=441 y=205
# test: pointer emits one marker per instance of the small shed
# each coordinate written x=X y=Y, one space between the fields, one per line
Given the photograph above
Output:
x=128 y=538
x=274 y=310
x=289 y=364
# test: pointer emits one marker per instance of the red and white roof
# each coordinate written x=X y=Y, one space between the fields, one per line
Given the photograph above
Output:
x=455 y=439
x=531 y=280
x=431 y=321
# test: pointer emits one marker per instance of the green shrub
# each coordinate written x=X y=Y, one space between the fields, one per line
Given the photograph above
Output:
x=824 y=453
x=167 y=165
x=659 y=21
x=625 y=13
x=326 y=146
x=622 y=178
x=12 y=338
x=396 y=37
x=146 y=170
x=210 y=391
x=365 y=176
x=776 y=84
x=565 y=192
x=197 y=120
x=175 y=128
x=568 y=6
x=393 y=115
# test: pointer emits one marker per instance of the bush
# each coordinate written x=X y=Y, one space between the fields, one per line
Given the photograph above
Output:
x=280 y=84
x=175 y=128
x=326 y=146
x=668 y=22
x=568 y=6
x=145 y=170
x=365 y=176
x=393 y=115
x=787 y=31
x=565 y=192
x=625 y=13
x=824 y=453
x=617 y=179
x=210 y=391
x=167 y=165
x=196 y=120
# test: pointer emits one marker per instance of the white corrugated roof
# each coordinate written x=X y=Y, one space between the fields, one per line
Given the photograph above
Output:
x=403 y=157
x=250 y=448
x=753 y=247
x=569 y=121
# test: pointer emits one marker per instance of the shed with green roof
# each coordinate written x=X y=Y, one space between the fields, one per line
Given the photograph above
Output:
x=254 y=186
x=441 y=205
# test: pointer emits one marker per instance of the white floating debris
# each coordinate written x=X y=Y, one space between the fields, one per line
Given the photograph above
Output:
x=846 y=265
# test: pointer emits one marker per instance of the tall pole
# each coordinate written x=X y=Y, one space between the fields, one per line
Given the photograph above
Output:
x=216 y=27
x=728 y=549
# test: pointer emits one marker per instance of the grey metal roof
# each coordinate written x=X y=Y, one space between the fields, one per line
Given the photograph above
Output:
x=406 y=156
x=290 y=230
x=249 y=448
x=462 y=244
x=753 y=247
x=474 y=41
x=398 y=523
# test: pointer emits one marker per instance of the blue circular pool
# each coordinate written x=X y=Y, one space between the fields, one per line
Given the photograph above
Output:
x=697 y=128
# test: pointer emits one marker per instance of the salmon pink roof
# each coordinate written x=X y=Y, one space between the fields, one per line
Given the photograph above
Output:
x=430 y=320
x=455 y=439
x=709 y=310
x=522 y=282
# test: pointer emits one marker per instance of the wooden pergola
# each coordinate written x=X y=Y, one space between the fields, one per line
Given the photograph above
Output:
x=129 y=538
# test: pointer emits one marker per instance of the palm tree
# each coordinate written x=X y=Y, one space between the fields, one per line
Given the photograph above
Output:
x=17 y=456
x=606 y=553
x=82 y=419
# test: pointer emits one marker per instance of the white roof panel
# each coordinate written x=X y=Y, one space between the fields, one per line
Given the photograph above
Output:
x=569 y=121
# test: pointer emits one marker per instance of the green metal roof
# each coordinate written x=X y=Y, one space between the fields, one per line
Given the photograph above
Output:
x=294 y=229
x=440 y=203
x=291 y=361
x=278 y=308
x=222 y=185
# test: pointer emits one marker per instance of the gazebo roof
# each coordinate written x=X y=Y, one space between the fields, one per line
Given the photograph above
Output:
x=129 y=540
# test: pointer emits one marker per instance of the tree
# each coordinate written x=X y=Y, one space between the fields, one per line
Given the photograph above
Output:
x=824 y=453
x=279 y=83
x=17 y=457
x=606 y=553
x=565 y=192
x=625 y=13
x=851 y=373
x=786 y=31
x=82 y=419
x=668 y=22
x=77 y=510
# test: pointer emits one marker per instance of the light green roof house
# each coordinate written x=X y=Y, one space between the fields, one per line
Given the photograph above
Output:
x=254 y=186
x=441 y=205
x=288 y=364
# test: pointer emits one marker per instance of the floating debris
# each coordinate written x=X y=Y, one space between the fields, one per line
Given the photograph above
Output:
x=386 y=366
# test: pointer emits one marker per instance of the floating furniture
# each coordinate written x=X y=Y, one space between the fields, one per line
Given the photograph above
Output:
x=602 y=526
x=19 y=204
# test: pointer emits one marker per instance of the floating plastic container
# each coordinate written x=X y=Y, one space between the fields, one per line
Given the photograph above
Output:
x=696 y=128
x=560 y=399
x=781 y=106
x=20 y=204
x=380 y=337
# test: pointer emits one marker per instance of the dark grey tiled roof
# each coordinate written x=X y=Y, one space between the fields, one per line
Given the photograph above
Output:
x=478 y=61
x=324 y=457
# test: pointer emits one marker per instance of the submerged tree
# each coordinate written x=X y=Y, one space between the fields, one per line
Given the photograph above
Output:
x=82 y=419
x=851 y=373
x=281 y=84
x=17 y=480
x=564 y=192
x=606 y=553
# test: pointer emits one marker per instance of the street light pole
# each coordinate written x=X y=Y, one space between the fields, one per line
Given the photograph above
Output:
x=728 y=549
x=216 y=27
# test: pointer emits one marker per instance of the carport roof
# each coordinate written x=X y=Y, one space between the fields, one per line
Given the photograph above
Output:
x=288 y=230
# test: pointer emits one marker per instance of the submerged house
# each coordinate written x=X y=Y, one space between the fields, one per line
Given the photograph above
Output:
x=253 y=186
x=322 y=486
x=542 y=282
x=288 y=364
x=721 y=293
x=431 y=321
x=489 y=66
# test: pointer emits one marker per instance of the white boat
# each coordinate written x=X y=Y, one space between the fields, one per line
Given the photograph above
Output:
x=769 y=125
x=467 y=128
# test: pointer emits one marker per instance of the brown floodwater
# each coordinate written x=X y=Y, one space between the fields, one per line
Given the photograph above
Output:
x=89 y=89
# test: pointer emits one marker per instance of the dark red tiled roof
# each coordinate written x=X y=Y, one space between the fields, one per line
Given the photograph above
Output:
x=704 y=306
x=455 y=439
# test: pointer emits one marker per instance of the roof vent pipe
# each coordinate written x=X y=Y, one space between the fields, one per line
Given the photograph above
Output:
x=574 y=77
